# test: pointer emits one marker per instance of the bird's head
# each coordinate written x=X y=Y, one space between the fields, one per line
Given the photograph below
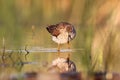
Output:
x=65 y=26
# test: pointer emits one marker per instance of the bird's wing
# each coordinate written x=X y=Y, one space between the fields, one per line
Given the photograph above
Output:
x=53 y=30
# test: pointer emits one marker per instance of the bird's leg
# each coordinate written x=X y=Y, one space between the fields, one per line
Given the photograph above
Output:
x=58 y=54
x=68 y=43
x=68 y=48
x=58 y=48
x=68 y=60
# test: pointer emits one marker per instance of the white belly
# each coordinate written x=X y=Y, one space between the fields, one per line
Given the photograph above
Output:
x=61 y=39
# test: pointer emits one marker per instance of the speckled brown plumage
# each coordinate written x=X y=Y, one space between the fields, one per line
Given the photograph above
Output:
x=52 y=29
x=62 y=32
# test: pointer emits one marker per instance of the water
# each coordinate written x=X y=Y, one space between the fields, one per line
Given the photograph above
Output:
x=36 y=51
x=17 y=62
x=28 y=45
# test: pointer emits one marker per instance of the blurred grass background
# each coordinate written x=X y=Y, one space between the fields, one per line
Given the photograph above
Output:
x=97 y=23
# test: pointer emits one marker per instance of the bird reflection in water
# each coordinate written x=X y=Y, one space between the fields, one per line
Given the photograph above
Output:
x=62 y=33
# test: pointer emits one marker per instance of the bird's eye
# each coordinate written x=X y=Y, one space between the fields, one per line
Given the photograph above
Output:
x=69 y=29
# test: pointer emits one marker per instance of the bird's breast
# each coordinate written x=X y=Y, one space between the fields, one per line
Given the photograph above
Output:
x=61 y=38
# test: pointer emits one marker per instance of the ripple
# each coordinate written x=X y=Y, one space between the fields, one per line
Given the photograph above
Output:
x=39 y=49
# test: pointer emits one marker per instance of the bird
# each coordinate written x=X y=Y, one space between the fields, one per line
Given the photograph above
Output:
x=62 y=65
x=62 y=33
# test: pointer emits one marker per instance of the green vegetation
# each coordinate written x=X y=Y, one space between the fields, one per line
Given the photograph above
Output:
x=96 y=22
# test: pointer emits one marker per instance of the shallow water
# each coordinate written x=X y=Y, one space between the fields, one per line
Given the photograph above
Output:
x=38 y=51
x=38 y=59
